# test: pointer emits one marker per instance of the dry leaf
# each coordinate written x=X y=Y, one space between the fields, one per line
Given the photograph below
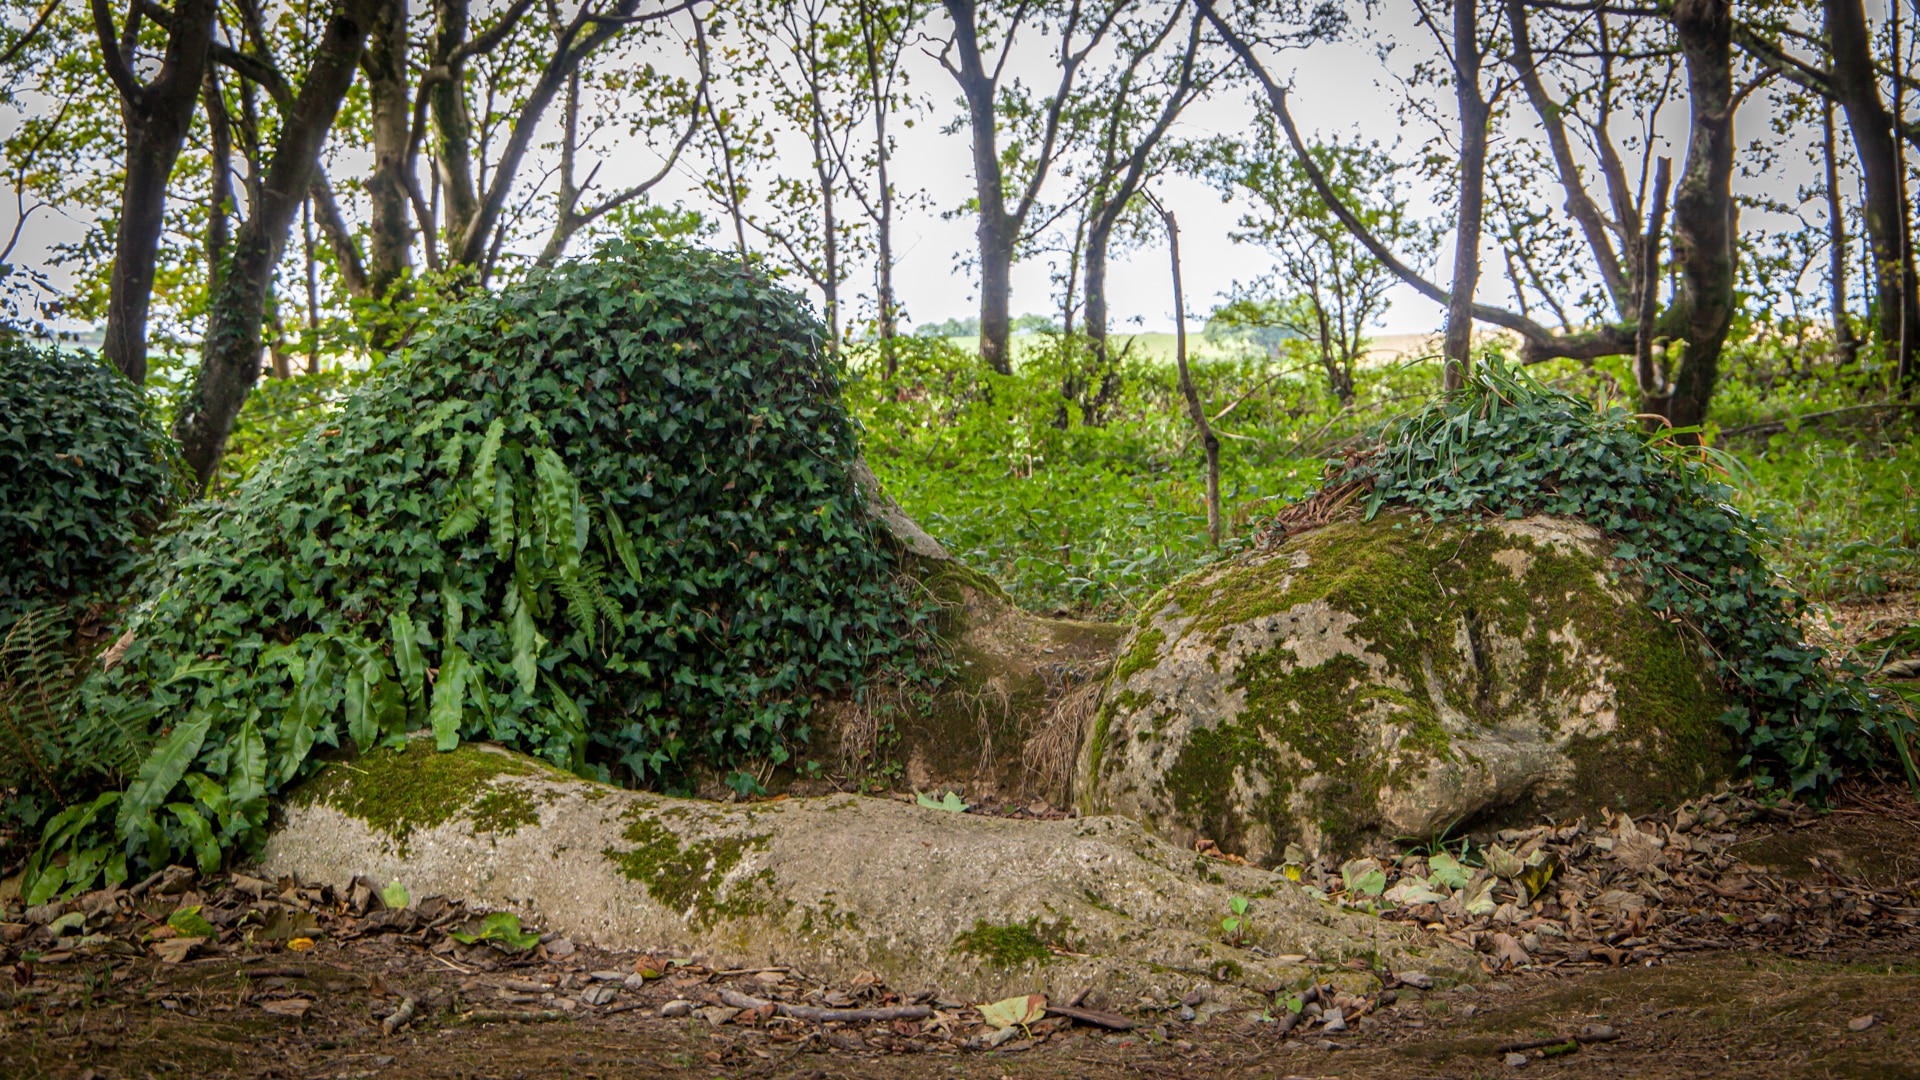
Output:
x=1021 y=1011
x=176 y=949
x=294 y=1007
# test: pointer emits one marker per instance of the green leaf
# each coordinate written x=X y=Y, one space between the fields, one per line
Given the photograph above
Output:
x=206 y=850
x=395 y=895
x=247 y=772
x=210 y=794
x=407 y=658
x=1446 y=870
x=190 y=923
x=449 y=699
x=160 y=772
x=622 y=544
x=362 y=727
x=950 y=802
x=527 y=641
x=501 y=929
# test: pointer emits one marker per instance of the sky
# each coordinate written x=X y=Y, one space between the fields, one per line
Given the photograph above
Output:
x=1338 y=89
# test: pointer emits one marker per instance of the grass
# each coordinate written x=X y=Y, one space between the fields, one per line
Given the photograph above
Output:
x=1090 y=520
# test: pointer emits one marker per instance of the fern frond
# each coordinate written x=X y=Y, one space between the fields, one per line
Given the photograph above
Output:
x=36 y=691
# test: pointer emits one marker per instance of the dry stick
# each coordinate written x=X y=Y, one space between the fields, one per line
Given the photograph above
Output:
x=1781 y=424
x=1643 y=372
x=738 y=1000
x=1199 y=414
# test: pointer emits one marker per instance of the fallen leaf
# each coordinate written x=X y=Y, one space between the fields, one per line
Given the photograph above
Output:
x=950 y=802
x=176 y=949
x=188 y=922
x=395 y=896
x=1012 y=1011
x=294 y=1007
x=300 y=944
x=1444 y=869
x=1503 y=863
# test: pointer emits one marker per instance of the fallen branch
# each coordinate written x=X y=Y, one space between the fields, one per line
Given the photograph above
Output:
x=508 y=1016
x=399 y=1018
x=1770 y=426
x=738 y=1000
x=1561 y=1040
x=1110 y=1021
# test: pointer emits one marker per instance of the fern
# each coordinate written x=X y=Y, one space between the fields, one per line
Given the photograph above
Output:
x=36 y=692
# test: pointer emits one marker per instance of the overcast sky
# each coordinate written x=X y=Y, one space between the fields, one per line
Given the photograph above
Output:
x=1339 y=89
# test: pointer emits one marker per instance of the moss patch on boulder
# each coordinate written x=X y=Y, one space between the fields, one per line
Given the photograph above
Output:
x=1393 y=678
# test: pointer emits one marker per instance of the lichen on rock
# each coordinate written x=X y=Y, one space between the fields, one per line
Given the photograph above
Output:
x=1400 y=678
x=979 y=906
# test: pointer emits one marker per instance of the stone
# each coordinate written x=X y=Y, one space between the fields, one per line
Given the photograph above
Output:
x=673 y=1010
x=1393 y=678
x=837 y=886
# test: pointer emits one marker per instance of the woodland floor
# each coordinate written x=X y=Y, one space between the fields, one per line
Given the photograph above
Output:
x=1787 y=945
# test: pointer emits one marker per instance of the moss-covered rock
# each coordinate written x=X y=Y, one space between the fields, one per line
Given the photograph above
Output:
x=1395 y=678
x=979 y=906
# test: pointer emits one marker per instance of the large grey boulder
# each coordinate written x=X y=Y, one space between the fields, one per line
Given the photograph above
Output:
x=836 y=885
x=1392 y=678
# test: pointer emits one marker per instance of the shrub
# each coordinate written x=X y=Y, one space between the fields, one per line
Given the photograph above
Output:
x=86 y=476
x=603 y=516
x=1507 y=445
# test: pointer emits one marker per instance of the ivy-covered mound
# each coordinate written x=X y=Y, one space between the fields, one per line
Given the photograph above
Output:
x=86 y=475
x=1545 y=609
x=1506 y=446
x=603 y=517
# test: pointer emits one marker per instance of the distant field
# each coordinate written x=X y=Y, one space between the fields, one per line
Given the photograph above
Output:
x=1385 y=349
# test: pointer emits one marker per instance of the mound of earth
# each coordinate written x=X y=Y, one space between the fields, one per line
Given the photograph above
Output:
x=1382 y=679
x=834 y=885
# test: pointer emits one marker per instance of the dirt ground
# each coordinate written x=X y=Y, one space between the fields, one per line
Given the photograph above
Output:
x=1833 y=993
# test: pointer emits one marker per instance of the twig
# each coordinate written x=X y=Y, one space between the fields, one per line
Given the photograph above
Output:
x=1781 y=424
x=738 y=1000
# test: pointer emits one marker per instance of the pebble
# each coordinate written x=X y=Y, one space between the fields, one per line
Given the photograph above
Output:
x=677 y=1008
x=560 y=948
x=1860 y=1023
x=1419 y=980
x=1186 y=1014
x=600 y=994
x=607 y=976
x=1335 y=1022
x=634 y=981
x=1597 y=1032
x=1515 y=1061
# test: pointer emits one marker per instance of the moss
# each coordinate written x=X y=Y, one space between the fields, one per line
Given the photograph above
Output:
x=398 y=792
x=1144 y=654
x=1411 y=590
x=1013 y=944
x=691 y=878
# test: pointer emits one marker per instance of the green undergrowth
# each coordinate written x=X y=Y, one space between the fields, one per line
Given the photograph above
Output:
x=1507 y=445
x=1013 y=944
x=690 y=877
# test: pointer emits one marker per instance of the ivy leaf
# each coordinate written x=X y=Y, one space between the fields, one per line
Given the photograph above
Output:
x=950 y=802
x=206 y=850
x=449 y=699
x=1446 y=870
x=1023 y=1011
x=500 y=929
x=188 y=922
x=162 y=769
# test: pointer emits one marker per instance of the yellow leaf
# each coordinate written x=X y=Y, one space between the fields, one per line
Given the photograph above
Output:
x=300 y=944
x=1012 y=1011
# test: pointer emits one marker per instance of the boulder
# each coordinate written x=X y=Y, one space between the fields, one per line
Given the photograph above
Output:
x=978 y=906
x=1397 y=678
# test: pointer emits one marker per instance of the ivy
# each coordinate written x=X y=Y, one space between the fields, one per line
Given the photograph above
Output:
x=86 y=476
x=603 y=516
x=1506 y=445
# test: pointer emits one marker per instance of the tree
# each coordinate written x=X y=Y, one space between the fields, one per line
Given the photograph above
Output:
x=156 y=113
x=230 y=353
x=1325 y=288
x=1003 y=203
x=1701 y=312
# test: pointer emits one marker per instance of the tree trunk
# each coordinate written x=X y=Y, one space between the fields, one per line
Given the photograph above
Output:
x=1845 y=345
x=1854 y=85
x=157 y=115
x=1473 y=169
x=230 y=355
x=994 y=232
x=452 y=126
x=1703 y=211
x=1208 y=439
x=389 y=225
